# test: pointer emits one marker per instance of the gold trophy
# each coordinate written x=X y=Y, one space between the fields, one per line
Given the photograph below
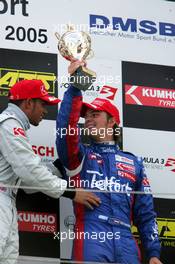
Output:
x=76 y=45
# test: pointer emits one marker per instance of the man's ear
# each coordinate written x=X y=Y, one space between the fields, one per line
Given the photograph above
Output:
x=28 y=103
x=112 y=121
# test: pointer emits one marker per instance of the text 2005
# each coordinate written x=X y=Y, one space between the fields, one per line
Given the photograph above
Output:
x=30 y=34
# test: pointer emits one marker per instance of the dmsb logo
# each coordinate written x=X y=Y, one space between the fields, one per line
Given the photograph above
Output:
x=132 y=25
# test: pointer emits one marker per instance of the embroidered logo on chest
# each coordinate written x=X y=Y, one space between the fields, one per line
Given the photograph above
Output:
x=125 y=167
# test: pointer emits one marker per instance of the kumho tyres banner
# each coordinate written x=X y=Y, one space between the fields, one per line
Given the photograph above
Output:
x=38 y=223
x=148 y=96
x=17 y=65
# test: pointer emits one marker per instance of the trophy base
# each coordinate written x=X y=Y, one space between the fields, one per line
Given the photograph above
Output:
x=83 y=78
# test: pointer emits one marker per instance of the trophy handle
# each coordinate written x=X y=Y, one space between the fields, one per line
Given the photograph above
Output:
x=57 y=35
x=90 y=55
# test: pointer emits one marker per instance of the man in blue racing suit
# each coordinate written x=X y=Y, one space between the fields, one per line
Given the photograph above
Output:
x=104 y=234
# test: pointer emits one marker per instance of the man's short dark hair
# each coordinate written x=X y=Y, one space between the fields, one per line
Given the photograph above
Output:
x=19 y=102
x=16 y=102
x=116 y=131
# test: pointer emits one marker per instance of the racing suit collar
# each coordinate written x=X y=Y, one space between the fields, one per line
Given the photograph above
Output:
x=106 y=143
x=21 y=116
x=105 y=147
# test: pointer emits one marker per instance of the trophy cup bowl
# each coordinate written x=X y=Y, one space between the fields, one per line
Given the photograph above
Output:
x=76 y=45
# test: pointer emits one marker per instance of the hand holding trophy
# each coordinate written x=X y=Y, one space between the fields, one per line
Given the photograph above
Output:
x=76 y=45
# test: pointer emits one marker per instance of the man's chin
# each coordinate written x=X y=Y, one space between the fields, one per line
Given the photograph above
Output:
x=34 y=123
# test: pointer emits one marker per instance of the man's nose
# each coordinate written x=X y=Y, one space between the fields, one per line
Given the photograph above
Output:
x=88 y=117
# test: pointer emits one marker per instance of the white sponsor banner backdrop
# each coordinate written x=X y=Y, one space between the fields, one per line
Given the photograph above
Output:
x=157 y=150
x=138 y=30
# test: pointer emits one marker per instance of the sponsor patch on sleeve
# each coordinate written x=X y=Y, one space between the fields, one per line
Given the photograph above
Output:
x=146 y=185
x=145 y=182
x=18 y=131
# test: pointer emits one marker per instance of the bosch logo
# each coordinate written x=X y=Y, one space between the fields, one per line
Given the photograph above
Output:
x=132 y=25
x=43 y=151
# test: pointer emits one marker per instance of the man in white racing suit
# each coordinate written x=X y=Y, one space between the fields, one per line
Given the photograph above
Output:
x=18 y=162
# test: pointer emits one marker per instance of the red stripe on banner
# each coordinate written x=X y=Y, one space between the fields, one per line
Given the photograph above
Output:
x=149 y=96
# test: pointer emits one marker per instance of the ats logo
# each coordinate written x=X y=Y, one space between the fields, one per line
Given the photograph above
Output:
x=8 y=77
